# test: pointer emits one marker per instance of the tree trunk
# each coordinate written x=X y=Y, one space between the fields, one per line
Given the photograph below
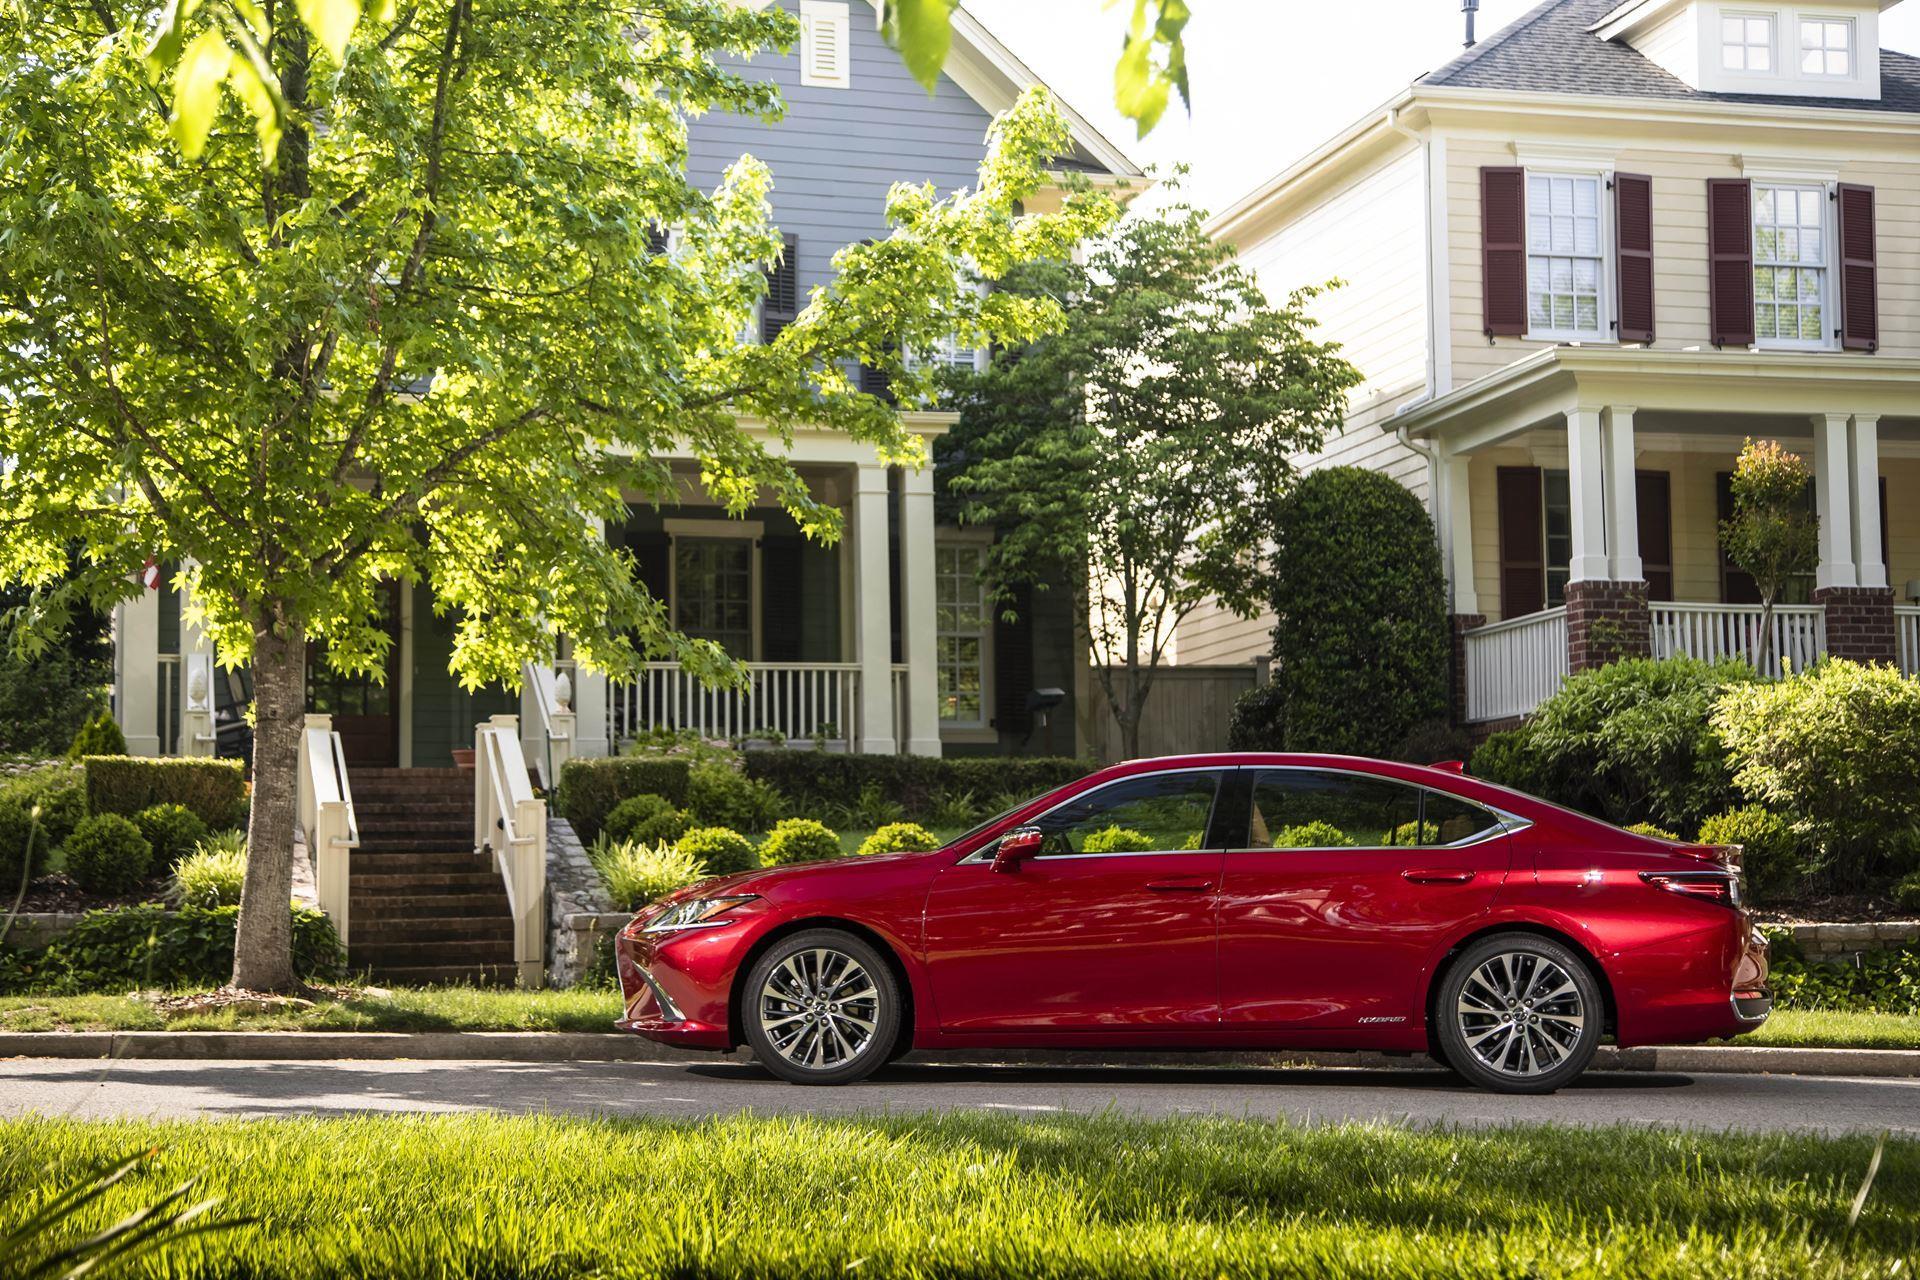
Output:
x=1764 y=640
x=1136 y=708
x=263 y=948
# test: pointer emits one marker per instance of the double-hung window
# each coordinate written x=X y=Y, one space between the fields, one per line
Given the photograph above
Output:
x=961 y=619
x=1566 y=293
x=1790 y=275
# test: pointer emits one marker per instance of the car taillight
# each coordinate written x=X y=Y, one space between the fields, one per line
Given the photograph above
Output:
x=1722 y=887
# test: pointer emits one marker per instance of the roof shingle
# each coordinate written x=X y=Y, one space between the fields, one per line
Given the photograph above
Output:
x=1550 y=50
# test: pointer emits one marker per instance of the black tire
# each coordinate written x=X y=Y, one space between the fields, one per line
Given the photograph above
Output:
x=810 y=1018
x=1519 y=1013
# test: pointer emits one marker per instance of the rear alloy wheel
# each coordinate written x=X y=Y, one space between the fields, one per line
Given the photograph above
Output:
x=1518 y=1013
x=822 y=1007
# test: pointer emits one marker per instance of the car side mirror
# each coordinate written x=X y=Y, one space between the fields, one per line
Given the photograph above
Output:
x=1016 y=847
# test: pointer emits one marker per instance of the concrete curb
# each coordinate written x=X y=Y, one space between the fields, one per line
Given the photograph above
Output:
x=585 y=1046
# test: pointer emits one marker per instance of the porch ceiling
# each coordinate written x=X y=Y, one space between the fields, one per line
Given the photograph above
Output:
x=1681 y=392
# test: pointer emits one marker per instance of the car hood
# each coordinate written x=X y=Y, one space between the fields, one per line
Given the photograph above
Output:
x=767 y=882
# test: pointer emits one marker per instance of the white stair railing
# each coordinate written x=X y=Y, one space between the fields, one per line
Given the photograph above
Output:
x=326 y=816
x=1798 y=633
x=511 y=824
x=551 y=691
x=1906 y=636
x=1515 y=665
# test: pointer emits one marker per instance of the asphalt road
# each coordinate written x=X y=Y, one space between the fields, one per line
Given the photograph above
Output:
x=706 y=1087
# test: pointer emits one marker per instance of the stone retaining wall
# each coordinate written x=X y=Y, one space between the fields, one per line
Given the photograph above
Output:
x=1838 y=942
x=579 y=912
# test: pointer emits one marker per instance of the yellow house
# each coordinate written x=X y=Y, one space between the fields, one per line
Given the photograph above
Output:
x=1584 y=261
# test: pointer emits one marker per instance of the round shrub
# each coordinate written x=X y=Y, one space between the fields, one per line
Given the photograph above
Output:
x=107 y=854
x=910 y=837
x=1906 y=894
x=721 y=851
x=1360 y=639
x=647 y=820
x=171 y=829
x=1412 y=834
x=1312 y=835
x=1631 y=741
x=1258 y=721
x=722 y=796
x=211 y=875
x=799 y=840
x=1648 y=829
x=1774 y=857
x=1114 y=840
x=17 y=861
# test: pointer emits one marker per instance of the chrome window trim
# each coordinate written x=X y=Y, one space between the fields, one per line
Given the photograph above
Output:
x=1506 y=823
x=985 y=852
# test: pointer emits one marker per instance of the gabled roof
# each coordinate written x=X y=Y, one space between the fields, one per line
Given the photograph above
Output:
x=1551 y=50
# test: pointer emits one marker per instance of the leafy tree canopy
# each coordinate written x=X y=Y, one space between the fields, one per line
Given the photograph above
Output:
x=1136 y=459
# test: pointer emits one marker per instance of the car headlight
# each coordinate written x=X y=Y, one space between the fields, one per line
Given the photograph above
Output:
x=694 y=913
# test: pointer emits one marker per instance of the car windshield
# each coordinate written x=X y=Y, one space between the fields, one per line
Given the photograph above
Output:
x=1001 y=816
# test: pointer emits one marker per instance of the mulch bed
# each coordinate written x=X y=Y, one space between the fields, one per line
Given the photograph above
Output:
x=56 y=892
x=1839 y=908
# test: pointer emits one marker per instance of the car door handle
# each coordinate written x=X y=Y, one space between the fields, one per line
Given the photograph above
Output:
x=1186 y=884
x=1437 y=875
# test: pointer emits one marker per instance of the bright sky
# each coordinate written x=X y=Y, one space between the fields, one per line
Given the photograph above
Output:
x=1272 y=79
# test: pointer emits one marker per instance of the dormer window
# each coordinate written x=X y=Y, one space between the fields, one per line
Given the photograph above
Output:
x=1746 y=41
x=1826 y=47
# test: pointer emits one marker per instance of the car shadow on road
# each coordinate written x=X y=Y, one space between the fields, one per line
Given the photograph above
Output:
x=911 y=1074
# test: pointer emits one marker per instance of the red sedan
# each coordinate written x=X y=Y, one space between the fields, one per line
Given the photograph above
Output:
x=1220 y=902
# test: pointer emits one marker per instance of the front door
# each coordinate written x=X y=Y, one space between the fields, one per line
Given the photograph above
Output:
x=1109 y=928
x=365 y=708
x=1339 y=890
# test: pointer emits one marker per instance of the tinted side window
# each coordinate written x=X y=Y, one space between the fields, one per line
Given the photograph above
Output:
x=1450 y=820
x=1315 y=809
x=1158 y=811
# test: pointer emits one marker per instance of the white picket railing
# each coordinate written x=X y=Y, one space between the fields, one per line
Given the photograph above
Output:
x=551 y=690
x=1515 y=665
x=1798 y=632
x=1906 y=636
x=511 y=824
x=326 y=816
x=794 y=699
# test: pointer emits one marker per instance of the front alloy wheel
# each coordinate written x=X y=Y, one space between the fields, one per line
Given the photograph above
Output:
x=1519 y=1013
x=822 y=1008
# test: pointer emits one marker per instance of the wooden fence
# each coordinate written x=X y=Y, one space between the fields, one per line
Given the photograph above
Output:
x=1187 y=711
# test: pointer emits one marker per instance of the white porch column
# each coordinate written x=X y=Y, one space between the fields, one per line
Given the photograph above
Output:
x=872 y=624
x=1870 y=567
x=1456 y=518
x=1623 y=498
x=1586 y=471
x=1833 y=493
x=136 y=693
x=917 y=615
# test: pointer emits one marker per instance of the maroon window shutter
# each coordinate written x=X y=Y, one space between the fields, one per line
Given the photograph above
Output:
x=1523 y=569
x=1730 y=261
x=1653 y=500
x=781 y=304
x=1859 y=288
x=1633 y=254
x=1503 y=251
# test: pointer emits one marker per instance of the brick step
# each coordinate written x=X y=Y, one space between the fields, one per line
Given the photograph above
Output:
x=377 y=842
x=444 y=773
x=439 y=975
x=407 y=806
x=413 y=906
x=487 y=929
x=411 y=795
x=374 y=862
x=381 y=883
x=444 y=951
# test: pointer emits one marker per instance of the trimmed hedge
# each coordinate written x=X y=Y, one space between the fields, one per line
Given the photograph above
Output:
x=125 y=948
x=720 y=851
x=172 y=829
x=796 y=840
x=589 y=789
x=216 y=790
x=107 y=854
x=814 y=780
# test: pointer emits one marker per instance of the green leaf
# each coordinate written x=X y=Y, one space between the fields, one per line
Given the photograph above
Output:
x=332 y=23
x=259 y=99
x=196 y=90
x=1138 y=90
x=164 y=50
x=922 y=30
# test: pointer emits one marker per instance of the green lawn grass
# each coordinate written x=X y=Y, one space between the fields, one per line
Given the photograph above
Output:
x=968 y=1195
x=1821 y=1028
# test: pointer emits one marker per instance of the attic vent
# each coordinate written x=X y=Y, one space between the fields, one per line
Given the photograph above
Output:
x=823 y=44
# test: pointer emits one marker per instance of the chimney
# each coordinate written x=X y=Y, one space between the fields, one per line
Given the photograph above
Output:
x=1469 y=7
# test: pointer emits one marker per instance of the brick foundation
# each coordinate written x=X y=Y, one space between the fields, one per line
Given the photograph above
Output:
x=1859 y=622
x=1457 y=676
x=1607 y=621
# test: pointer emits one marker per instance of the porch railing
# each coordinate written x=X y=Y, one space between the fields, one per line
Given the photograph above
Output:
x=1906 y=637
x=550 y=740
x=798 y=700
x=510 y=822
x=325 y=812
x=1515 y=665
x=1799 y=633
